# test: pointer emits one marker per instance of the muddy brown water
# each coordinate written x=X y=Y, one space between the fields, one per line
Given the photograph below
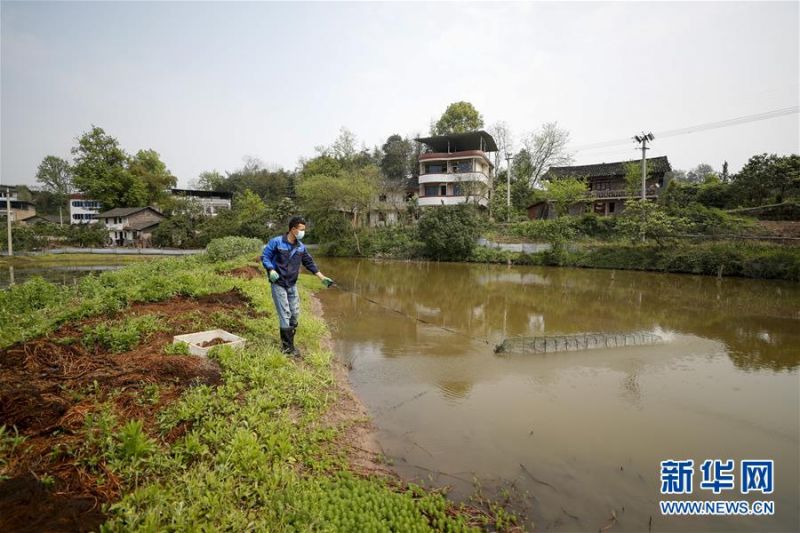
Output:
x=575 y=438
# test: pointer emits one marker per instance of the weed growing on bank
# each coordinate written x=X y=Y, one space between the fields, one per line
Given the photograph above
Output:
x=252 y=447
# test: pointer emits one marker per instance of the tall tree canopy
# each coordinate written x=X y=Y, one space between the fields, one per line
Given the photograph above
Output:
x=542 y=149
x=55 y=175
x=459 y=117
x=767 y=178
x=396 y=161
x=101 y=171
x=210 y=180
x=147 y=166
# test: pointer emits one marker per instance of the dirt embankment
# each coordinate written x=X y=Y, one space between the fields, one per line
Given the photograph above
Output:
x=49 y=385
x=358 y=437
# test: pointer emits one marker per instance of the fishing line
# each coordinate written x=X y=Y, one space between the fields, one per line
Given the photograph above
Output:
x=414 y=318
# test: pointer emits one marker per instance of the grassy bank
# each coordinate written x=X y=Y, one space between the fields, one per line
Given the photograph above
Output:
x=46 y=260
x=751 y=260
x=249 y=440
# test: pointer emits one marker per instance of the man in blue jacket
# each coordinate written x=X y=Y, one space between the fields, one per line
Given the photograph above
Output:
x=282 y=257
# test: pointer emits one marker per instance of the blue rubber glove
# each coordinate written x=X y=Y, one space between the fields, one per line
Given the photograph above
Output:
x=273 y=276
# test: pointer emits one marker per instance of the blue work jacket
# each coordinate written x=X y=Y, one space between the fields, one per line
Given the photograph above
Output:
x=285 y=258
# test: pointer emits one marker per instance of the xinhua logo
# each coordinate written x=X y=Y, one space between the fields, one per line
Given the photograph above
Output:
x=718 y=476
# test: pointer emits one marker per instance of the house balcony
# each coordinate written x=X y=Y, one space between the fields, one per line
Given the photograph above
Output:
x=621 y=194
x=433 y=201
x=453 y=177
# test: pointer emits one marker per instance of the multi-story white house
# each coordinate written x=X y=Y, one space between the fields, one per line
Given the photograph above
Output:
x=210 y=201
x=83 y=210
x=456 y=169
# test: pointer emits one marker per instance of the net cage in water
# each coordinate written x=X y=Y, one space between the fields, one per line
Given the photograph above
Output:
x=576 y=342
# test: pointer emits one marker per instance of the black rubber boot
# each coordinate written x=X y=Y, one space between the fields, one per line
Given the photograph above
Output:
x=286 y=341
x=295 y=351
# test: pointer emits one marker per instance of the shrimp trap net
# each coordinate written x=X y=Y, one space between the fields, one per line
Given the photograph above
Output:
x=576 y=342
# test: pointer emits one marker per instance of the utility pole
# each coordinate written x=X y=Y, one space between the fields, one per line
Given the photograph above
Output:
x=8 y=221
x=643 y=138
x=509 y=156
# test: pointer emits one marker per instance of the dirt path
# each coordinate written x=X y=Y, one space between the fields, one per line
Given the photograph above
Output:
x=49 y=385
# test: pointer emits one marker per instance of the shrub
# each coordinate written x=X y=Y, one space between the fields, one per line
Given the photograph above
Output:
x=449 y=232
x=710 y=221
x=230 y=247
x=399 y=242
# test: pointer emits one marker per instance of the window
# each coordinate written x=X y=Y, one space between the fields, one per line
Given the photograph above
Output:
x=611 y=206
x=76 y=217
x=457 y=190
x=437 y=168
x=430 y=190
x=443 y=190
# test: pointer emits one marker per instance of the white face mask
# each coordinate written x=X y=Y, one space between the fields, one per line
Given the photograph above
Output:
x=301 y=234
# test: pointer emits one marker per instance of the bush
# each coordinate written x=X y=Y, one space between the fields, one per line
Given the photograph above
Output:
x=230 y=247
x=710 y=221
x=595 y=226
x=398 y=242
x=449 y=232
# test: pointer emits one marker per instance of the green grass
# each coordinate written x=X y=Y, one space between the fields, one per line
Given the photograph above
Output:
x=256 y=452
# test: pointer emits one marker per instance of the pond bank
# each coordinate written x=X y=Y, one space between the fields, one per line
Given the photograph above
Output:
x=736 y=259
x=273 y=444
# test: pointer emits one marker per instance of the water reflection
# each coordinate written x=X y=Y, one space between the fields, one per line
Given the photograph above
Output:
x=593 y=425
x=756 y=320
x=59 y=275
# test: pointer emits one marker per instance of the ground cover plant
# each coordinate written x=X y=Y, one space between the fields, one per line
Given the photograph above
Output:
x=105 y=424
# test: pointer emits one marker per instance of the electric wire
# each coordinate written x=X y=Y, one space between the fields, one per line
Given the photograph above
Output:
x=696 y=128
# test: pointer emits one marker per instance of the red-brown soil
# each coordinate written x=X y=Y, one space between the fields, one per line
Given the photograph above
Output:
x=247 y=272
x=48 y=386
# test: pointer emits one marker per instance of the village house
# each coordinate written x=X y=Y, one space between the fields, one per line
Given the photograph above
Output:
x=20 y=209
x=456 y=169
x=392 y=201
x=607 y=190
x=210 y=201
x=131 y=225
x=83 y=210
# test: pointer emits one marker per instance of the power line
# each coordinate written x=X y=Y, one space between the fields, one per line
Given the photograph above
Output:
x=699 y=127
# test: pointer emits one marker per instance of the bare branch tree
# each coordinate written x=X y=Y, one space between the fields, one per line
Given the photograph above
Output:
x=545 y=148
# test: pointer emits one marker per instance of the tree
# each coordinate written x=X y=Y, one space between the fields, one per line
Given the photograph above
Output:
x=100 y=171
x=643 y=218
x=396 y=160
x=501 y=134
x=543 y=149
x=459 y=117
x=55 y=175
x=252 y=215
x=181 y=229
x=700 y=173
x=269 y=185
x=337 y=202
x=633 y=178
x=767 y=178
x=147 y=166
x=210 y=180
x=449 y=232
x=564 y=192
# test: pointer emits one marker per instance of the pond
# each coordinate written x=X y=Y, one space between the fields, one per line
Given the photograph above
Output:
x=574 y=438
x=62 y=275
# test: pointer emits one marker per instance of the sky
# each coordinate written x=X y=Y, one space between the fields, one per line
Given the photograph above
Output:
x=207 y=84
